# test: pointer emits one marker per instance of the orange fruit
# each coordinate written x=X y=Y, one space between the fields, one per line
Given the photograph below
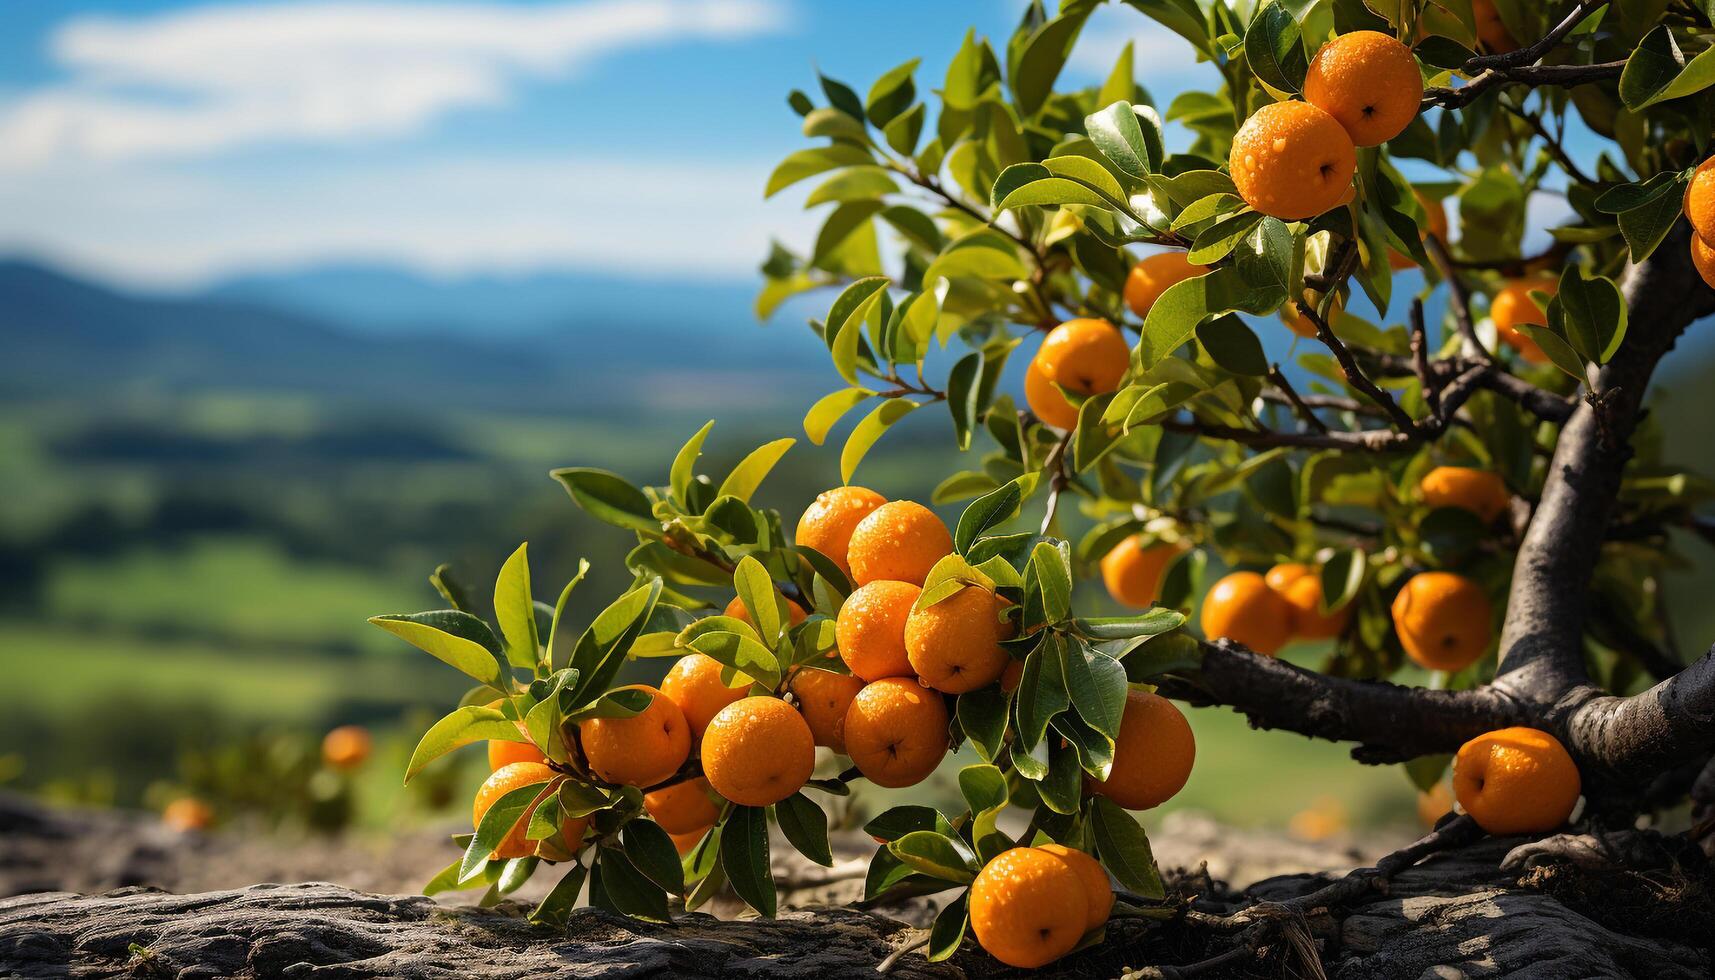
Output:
x=1369 y=82
x=823 y=697
x=954 y=645
x=1292 y=160
x=1301 y=587
x=870 y=629
x=1084 y=355
x=1516 y=781
x=683 y=807
x=503 y=753
x=1133 y=572
x=900 y=541
x=346 y=747
x=1152 y=755
x=827 y=524
x=1479 y=491
x=642 y=750
x=1098 y=891
x=1490 y=29
x=683 y=843
x=758 y=751
x=1703 y=257
x=1700 y=203
x=1046 y=401
x=1444 y=620
x=187 y=813
x=896 y=732
x=694 y=686
x=1512 y=306
x=1242 y=608
x=503 y=781
x=1151 y=276
x=735 y=609
x=1028 y=908
x=1011 y=676
x=1437 y=213
x=1433 y=805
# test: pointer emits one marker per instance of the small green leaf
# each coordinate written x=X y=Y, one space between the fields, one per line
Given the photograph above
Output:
x=555 y=908
x=1124 y=848
x=1656 y=71
x=744 y=858
x=982 y=717
x=936 y=855
x=1593 y=313
x=1039 y=63
x=949 y=929
x=608 y=498
x=1232 y=345
x=829 y=409
x=1274 y=48
x=1129 y=136
x=1559 y=352
x=987 y=512
x=808 y=163
x=866 y=432
x=1053 y=572
x=1096 y=684
x=652 y=852
x=455 y=638
x=503 y=815
x=1342 y=576
x=742 y=654
x=806 y=827
x=753 y=469
x=515 y=610
x=681 y=475
x=460 y=727
x=627 y=888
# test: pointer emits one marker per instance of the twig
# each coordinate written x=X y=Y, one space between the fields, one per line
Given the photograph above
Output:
x=1057 y=482
x=1555 y=149
x=1420 y=359
x=1533 y=54
x=886 y=966
x=1460 y=298
x=1291 y=393
x=1365 y=440
x=1530 y=75
x=1354 y=375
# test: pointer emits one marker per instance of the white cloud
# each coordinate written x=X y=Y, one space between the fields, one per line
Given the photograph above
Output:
x=166 y=226
x=208 y=79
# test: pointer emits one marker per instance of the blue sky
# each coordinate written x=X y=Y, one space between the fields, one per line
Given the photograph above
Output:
x=176 y=144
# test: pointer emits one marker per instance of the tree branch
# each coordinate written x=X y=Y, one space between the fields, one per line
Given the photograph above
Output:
x=1535 y=53
x=1354 y=374
x=1459 y=297
x=1304 y=411
x=1564 y=76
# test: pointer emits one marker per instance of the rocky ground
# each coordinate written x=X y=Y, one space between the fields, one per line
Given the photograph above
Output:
x=101 y=893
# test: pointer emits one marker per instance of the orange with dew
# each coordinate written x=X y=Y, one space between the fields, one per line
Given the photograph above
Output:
x=1516 y=781
x=1444 y=620
x=694 y=685
x=1133 y=571
x=1369 y=82
x=1027 y=908
x=1098 y=891
x=870 y=629
x=823 y=698
x=896 y=732
x=641 y=750
x=1153 y=753
x=1242 y=608
x=758 y=751
x=1153 y=274
x=1292 y=160
x=827 y=524
x=954 y=645
x=899 y=541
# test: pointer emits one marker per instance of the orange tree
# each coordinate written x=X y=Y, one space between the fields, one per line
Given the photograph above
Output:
x=1475 y=494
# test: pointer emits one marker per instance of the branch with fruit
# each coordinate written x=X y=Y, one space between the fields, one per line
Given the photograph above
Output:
x=1452 y=513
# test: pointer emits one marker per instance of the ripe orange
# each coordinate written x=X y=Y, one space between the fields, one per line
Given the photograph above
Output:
x=1046 y=400
x=1242 y=608
x=1292 y=160
x=870 y=629
x=735 y=609
x=1369 y=82
x=642 y=750
x=758 y=751
x=1152 y=755
x=827 y=523
x=896 y=732
x=503 y=753
x=1301 y=587
x=1433 y=805
x=1479 y=491
x=1516 y=781
x=346 y=747
x=1084 y=355
x=1490 y=29
x=1703 y=257
x=900 y=541
x=1513 y=306
x=1151 y=276
x=1098 y=891
x=187 y=813
x=1700 y=203
x=1028 y=908
x=823 y=697
x=1443 y=620
x=1133 y=572
x=503 y=781
x=954 y=645
x=1437 y=213
x=683 y=807
x=694 y=685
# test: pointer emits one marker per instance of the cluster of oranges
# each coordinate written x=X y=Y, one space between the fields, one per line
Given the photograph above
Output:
x=1700 y=211
x=1029 y=906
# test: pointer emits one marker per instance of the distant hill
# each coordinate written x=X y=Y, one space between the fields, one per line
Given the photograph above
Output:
x=65 y=335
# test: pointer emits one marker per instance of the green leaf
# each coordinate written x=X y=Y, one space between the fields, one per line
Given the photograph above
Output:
x=1052 y=567
x=936 y=855
x=984 y=789
x=808 y=163
x=903 y=131
x=556 y=907
x=891 y=94
x=1233 y=346
x=898 y=821
x=1041 y=691
x=1042 y=58
x=1152 y=622
x=1342 y=576
x=1027 y=184
x=834 y=124
x=515 y=610
x=1593 y=313
x=1124 y=848
x=1174 y=317
x=627 y=888
x=455 y=638
x=806 y=827
x=497 y=823
x=744 y=857
x=964 y=395
x=599 y=650
x=948 y=930
x=451 y=589
x=749 y=473
x=608 y=498
x=982 y=717
x=742 y=654
x=1218 y=240
x=1559 y=352
x=461 y=727
x=853 y=184
x=1274 y=48
x=1182 y=17
x=1657 y=70
x=652 y=852
x=1096 y=684
x=983 y=258
x=761 y=599
x=987 y=512
x=613 y=704
x=829 y=409
x=1426 y=770
x=1129 y=136
x=1121 y=84
x=866 y=432
x=845 y=322
x=681 y=475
